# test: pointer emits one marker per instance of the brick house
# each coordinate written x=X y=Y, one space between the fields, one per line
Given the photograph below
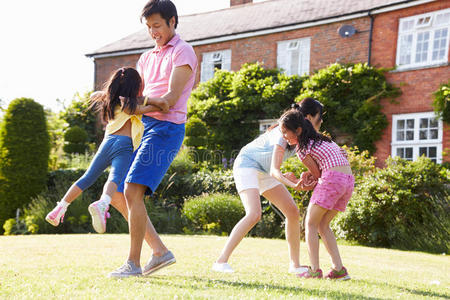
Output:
x=301 y=36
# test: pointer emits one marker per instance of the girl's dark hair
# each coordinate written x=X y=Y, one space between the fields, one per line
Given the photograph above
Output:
x=309 y=106
x=165 y=8
x=124 y=82
x=294 y=119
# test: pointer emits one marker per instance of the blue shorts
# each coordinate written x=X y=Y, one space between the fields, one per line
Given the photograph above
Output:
x=115 y=151
x=160 y=144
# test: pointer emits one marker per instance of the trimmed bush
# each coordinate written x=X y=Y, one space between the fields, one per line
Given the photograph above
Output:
x=24 y=155
x=404 y=206
x=215 y=213
x=75 y=140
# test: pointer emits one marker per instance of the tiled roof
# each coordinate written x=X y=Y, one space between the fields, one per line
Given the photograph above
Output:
x=249 y=18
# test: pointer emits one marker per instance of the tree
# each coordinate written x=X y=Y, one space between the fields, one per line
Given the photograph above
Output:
x=24 y=155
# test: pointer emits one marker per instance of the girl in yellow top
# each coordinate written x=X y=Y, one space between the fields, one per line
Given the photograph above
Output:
x=120 y=108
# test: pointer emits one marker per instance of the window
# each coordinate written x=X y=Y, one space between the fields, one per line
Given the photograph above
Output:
x=265 y=124
x=220 y=60
x=423 y=40
x=293 y=56
x=414 y=135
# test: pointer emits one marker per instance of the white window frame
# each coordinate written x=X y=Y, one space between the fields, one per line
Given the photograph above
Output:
x=416 y=142
x=210 y=59
x=265 y=124
x=299 y=49
x=416 y=29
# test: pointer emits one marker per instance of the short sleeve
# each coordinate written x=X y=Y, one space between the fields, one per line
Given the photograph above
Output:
x=302 y=153
x=185 y=55
x=277 y=138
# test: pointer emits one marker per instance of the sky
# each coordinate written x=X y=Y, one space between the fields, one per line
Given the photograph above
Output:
x=43 y=43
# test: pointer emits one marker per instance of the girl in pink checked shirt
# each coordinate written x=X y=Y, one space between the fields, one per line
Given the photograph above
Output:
x=327 y=162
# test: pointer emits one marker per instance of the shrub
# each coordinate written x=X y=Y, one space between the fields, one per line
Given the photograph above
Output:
x=196 y=132
x=441 y=102
x=215 y=213
x=75 y=140
x=405 y=206
x=24 y=155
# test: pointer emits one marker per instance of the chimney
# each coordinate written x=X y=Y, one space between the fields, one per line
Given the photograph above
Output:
x=239 y=2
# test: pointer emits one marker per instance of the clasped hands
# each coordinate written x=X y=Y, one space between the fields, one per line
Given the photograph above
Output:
x=307 y=181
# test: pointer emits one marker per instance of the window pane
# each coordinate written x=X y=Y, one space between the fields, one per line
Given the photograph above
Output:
x=400 y=135
x=443 y=19
x=409 y=135
x=405 y=49
x=439 y=44
x=422 y=46
x=432 y=152
x=423 y=123
x=423 y=151
x=401 y=152
x=433 y=123
x=409 y=153
x=410 y=124
x=433 y=134
x=400 y=124
x=423 y=134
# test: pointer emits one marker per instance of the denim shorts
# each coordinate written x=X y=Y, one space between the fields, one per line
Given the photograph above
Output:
x=333 y=191
x=115 y=151
x=160 y=144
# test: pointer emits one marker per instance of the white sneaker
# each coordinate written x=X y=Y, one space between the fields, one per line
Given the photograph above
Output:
x=222 y=267
x=299 y=270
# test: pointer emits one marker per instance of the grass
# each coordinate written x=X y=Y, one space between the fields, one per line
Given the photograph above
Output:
x=75 y=266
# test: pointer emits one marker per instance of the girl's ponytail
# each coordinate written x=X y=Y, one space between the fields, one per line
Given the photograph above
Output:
x=124 y=82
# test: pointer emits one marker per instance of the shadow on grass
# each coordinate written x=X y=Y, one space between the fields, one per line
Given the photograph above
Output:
x=405 y=289
x=223 y=284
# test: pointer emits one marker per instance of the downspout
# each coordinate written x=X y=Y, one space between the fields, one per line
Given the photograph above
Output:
x=369 y=54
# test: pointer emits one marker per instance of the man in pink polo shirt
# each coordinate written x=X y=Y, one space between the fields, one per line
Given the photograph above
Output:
x=168 y=72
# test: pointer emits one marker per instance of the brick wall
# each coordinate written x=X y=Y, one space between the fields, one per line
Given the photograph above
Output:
x=104 y=67
x=417 y=85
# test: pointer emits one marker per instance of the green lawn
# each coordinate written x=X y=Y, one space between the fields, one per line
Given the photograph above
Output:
x=75 y=266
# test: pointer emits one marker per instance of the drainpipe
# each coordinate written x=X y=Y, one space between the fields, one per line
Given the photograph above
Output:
x=369 y=54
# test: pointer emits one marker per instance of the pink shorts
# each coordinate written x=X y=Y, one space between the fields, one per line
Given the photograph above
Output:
x=333 y=191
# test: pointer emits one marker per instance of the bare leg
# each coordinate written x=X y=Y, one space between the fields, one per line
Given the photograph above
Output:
x=151 y=237
x=73 y=192
x=282 y=199
x=109 y=188
x=329 y=239
x=313 y=218
x=137 y=219
x=252 y=205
